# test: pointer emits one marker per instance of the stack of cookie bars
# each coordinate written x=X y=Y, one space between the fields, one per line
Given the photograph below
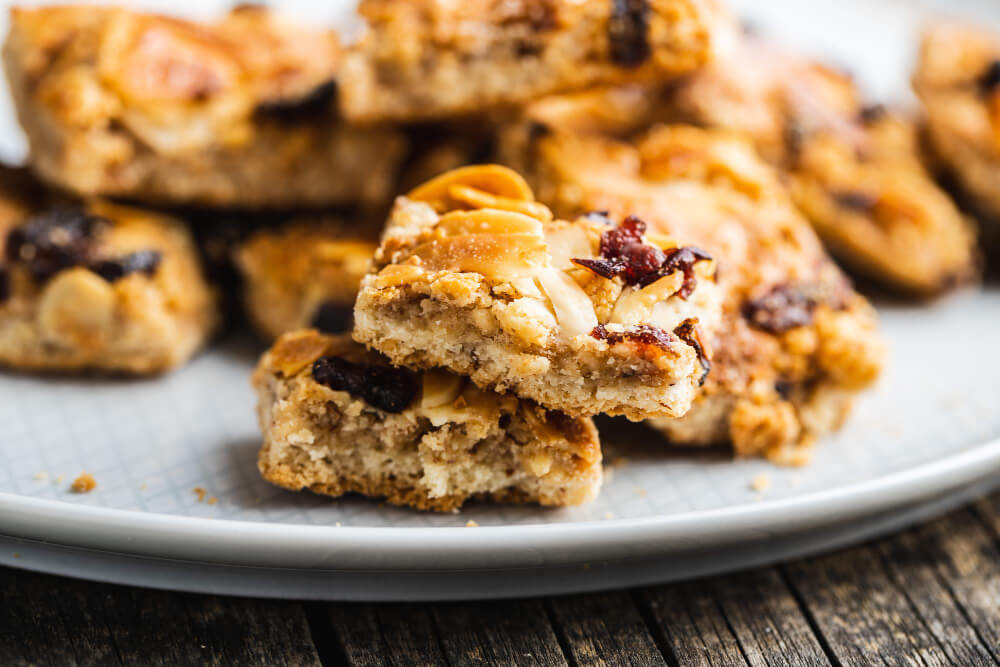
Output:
x=617 y=207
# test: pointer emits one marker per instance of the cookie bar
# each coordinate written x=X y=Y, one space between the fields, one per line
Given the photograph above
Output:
x=338 y=418
x=795 y=343
x=234 y=113
x=423 y=59
x=855 y=171
x=958 y=82
x=99 y=286
x=304 y=274
x=587 y=317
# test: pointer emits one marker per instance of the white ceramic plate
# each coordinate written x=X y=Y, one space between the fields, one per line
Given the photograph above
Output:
x=927 y=438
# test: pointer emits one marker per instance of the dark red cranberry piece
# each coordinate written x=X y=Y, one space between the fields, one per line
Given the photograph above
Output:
x=855 y=201
x=989 y=80
x=143 y=261
x=689 y=332
x=872 y=113
x=628 y=32
x=333 y=318
x=643 y=334
x=384 y=387
x=4 y=284
x=314 y=104
x=53 y=241
x=624 y=255
x=684 y=259
x=785 y=307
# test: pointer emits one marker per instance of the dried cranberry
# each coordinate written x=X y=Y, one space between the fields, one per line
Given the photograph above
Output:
x=53 y=241
x=314 y=104
x=628 y=32
x=872 y=113
x=989 y=80
x=785 y=307
x=624 y=255
x=4 y=284
x=855 y=201
x=643 y=334
x=683 y=260
x=143 y=261
x=333 y=318
x=384 y=387
x=688 y=332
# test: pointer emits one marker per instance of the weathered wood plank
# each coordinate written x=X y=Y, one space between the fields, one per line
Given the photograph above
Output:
x=498 y=632
x=237 y=631
x=383 y=634
x=766 y=620
x=918 y=562
x=603 y=629
x=862 y=615
x=690 y=626
x=50 y=620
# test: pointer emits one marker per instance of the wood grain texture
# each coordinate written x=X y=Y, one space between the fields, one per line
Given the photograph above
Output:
x=864 y=617
x=690 y=626
x=383 y=634
x=51 y=620
x=603 y=629
x=500 y=632
x=56 y=621
x=766 y=620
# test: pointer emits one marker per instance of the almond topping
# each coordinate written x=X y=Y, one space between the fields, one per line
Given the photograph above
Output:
x=487 y=221
x=489 y=178
x=574 y=310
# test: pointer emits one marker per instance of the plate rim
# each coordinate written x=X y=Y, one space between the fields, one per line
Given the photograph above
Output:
x=372 y=548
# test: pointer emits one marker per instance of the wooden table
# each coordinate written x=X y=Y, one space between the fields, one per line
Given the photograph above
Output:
x=927 y=596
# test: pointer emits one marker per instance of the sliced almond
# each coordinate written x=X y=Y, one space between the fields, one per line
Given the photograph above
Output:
x=635 y=306
x=496 y=256
x=569 y=242
x=487 y=221
x=480 y=199
x=491 y=178
x=77 y=309
x=395 y=275
x=440 y=388
x=574 y=310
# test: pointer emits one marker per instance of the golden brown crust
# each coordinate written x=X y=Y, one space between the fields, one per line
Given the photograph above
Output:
x=432 y=58
x=856 y=172
x=956 y=80
x=305 y=273
x=127 y=295
x=452 y=442
x=793 y=338
x=238 y=112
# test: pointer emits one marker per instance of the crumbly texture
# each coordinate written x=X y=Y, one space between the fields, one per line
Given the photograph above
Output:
x=234 y=113
x=304 y=274
x=84 y=483
x=795 y=343
x=856 y=172
x=423 y=59
x=99 y=286
x=452 y=442
x=958 y=82
x=475 y=276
